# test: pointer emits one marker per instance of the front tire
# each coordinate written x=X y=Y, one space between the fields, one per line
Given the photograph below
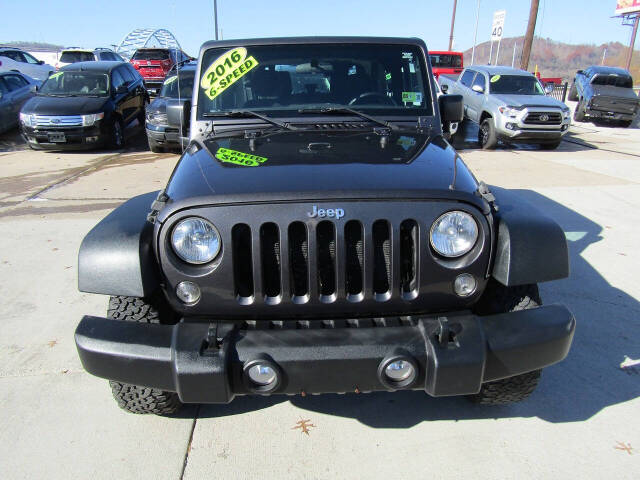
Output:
x=573 y=93
x=154 y=147
x=136 y=398
x=117 y=134
x=578 y=115
x=500 y=299
x=487 y=137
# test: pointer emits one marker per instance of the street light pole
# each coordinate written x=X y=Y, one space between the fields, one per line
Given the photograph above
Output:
x=528 y=38
x=215 y=16
x=633 y=40
x=475 y=36
x=453 y=21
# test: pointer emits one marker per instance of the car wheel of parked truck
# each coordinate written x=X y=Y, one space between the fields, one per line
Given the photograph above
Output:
x=487 y=134
x=573 y=93
x=578 y=115
x=136 y=398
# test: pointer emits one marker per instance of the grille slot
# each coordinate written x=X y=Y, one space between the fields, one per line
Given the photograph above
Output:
x=381 y=260
x=553 y=118
x=270 y=255
x=299 y=262
x=354 y=262
x=326 y=258
x=242 y=263
x=409 y=259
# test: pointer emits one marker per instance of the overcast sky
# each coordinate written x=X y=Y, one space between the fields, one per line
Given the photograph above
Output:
x=90 y=23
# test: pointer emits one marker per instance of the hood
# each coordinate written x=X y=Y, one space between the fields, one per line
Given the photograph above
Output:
x=296 y=166
x=45 y=105
x=529 y=101
x=611 y=91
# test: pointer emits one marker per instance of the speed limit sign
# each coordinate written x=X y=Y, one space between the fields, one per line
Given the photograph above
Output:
x=498 y=25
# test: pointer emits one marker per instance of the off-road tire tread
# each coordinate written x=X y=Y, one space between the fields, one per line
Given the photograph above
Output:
x=136 y=398
x=500 y=299
x=507 y=390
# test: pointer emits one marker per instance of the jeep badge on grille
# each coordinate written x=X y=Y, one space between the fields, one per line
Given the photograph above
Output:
x=336 y=213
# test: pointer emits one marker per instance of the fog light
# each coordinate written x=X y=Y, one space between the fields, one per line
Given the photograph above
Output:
x=188 y=292
x=464 y=285
x=262 y=374
x=399 y=370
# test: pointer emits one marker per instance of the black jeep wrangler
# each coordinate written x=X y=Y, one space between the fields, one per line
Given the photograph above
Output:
x=319 y=235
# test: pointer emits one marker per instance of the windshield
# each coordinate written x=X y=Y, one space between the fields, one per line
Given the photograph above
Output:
x=73 y=57
x=76 y=83
x=440 y=60
x=281 y=79
x=623 y=81
x=515 y=85
x=170 y=86
x=151 y=55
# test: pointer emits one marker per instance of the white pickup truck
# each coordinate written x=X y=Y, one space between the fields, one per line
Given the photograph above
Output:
x=509 y=105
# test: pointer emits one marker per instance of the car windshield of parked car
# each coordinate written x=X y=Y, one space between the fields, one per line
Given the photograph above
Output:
x=515 y=85
x=623 y=81
x=73 y=57
x=184 y=85
x=445 y=61
x=151 y=55
x=76 y=83
x=283 y=79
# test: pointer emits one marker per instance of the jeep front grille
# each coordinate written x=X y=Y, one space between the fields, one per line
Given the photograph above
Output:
x=536 y=118
x=301 y=261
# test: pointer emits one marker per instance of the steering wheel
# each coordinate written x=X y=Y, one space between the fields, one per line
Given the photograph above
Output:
x=381 y=99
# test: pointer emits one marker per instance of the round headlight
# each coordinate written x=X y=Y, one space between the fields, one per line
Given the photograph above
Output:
x=195 y=240
x=454 y=234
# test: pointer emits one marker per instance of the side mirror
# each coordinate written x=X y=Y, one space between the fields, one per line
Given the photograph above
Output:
x=451 y=108
x=33 y=88
x=178 y=113
x=580 y=72
x=477 y=88
x=444 y=88
x=40 y=62
x=548 y=88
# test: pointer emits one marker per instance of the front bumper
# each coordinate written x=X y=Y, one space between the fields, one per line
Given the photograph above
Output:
x=516 y=129
x=77 y=138
x=162 y=135
x=203 y=362
x=608 y=115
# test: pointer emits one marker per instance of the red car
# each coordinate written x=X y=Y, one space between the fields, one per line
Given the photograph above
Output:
x=446 y=62
x=154 y=64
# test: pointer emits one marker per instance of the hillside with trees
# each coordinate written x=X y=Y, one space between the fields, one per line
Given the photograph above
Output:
x=557 y=59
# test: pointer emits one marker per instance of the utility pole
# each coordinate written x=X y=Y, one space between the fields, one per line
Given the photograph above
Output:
x=528 y=38
x=633 y=40
x=215 y=16
x=475 y=36
x=453 y=21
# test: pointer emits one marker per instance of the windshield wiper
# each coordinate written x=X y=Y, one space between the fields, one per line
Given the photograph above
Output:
x=358 y=113
x=250 y=113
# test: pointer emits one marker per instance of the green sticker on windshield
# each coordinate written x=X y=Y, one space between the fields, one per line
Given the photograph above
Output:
x=226 y=70
x=495 y=78
x=412 y=97
x=239 y=158
x=56 y=75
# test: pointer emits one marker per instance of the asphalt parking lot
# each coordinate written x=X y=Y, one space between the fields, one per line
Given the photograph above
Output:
x=582 y=422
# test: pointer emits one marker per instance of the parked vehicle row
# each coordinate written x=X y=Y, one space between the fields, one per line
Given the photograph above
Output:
x=509 y=105
x=16 y=60
x=15 y=89
x=604 y=93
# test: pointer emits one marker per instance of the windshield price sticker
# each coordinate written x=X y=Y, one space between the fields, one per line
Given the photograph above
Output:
x=412 y=97
x=226 y=70
x=495 y=78
x=239 y=158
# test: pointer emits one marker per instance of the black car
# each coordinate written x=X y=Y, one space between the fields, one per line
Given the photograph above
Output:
x=84 y=105
x=176 y=88
x=604 y=93
x=320 y=235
